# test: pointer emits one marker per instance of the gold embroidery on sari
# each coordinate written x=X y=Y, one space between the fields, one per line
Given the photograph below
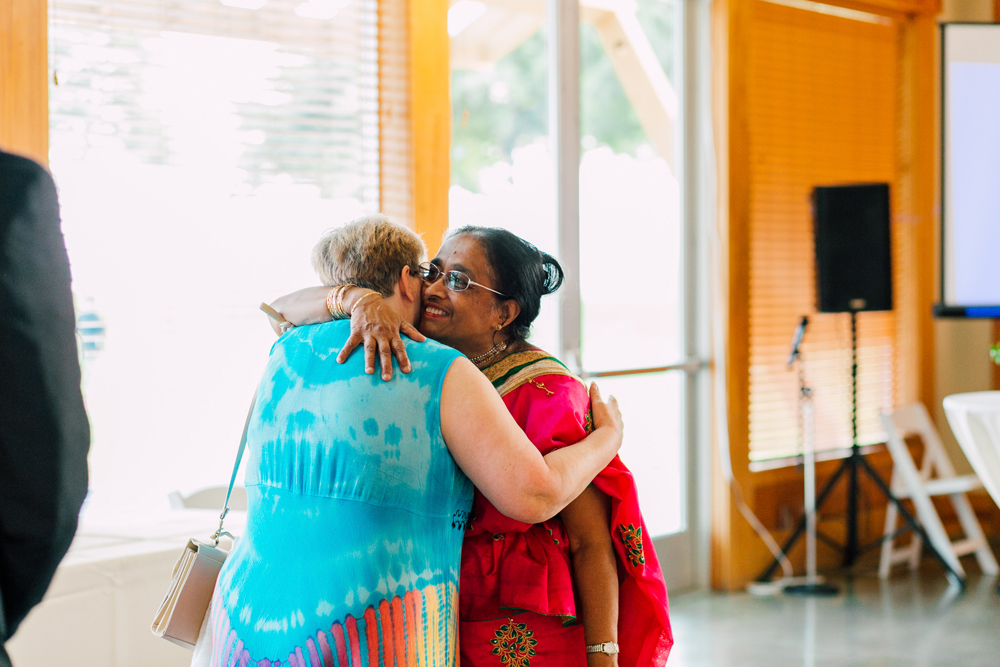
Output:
x=507 y=364
x=632 y=537
x=514 y=643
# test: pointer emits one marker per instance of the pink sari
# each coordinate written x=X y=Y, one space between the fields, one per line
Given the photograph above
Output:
x=516 y=599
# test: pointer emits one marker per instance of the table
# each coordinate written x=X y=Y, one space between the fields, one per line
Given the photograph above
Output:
x=103 y=597
x=975 y=420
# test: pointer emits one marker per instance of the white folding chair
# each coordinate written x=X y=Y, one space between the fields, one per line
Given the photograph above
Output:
x=935 y=477
x=209 y=498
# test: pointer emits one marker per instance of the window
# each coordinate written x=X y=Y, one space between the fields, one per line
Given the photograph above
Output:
x=630 y=217
x=630 y=241
x=501 y=165
x=200 y=149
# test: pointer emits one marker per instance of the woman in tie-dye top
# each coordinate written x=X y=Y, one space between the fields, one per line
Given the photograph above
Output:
x=357 y=501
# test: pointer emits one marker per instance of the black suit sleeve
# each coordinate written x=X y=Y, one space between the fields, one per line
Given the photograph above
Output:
x=44 y=432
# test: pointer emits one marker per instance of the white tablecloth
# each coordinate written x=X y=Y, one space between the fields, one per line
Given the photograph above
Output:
x=104 y=595
x=975 y=420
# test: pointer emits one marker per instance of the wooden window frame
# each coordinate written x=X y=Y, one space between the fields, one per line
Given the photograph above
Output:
x=24 y=79
x=418 y=195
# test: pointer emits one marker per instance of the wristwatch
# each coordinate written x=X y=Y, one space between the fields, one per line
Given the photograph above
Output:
x=610 y=648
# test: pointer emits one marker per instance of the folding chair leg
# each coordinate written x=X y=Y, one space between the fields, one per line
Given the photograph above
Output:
x=973 y=531
x=891 y=554
x=885 y=560
x=931 y=522
x=916 y=547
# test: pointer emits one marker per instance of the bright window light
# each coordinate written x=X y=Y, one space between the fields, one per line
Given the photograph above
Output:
x=321 y=9
x=462 y=14
x=244 y=4
x=195 y=153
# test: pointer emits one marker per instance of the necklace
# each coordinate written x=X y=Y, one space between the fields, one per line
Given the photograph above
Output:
x=489 y=354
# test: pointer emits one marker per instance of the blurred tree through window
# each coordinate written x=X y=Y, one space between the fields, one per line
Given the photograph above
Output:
x=506 y=107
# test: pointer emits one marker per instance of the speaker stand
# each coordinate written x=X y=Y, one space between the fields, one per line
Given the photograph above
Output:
x=854 y=465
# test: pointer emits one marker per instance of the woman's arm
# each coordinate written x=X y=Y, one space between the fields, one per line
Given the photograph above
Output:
x=494 y=452
x=306 y=306
x=379 y=329
x=595 y=572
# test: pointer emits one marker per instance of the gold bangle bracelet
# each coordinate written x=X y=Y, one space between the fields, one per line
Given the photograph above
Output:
x=330 y=303
x=335 y=301
x=358 y=302
x=341 y=311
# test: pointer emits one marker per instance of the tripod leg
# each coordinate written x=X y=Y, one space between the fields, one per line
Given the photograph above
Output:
x=851 y=543
x=915 y=525
x=800 y=527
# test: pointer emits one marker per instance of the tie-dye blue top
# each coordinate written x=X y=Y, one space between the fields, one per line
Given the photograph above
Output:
x=355 y=519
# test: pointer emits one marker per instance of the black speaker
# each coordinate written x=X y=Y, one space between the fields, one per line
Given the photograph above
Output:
x=853 y=251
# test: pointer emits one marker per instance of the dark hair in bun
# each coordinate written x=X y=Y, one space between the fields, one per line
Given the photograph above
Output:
x=522 y=272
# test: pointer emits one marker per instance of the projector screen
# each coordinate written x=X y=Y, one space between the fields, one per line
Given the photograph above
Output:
x=970 y=248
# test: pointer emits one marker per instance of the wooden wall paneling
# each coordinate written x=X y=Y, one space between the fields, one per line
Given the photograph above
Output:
x=915 y=220
x=415 y=115
x=822 y=111
x=737 y=553
x=24 y=91
x=734 y=546
x=720 y=539
x=900 y=10
x=430 y=117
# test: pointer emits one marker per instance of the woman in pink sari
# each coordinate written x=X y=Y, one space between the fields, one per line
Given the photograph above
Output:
x=584 y=588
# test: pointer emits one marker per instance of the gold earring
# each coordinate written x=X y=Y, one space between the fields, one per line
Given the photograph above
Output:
x=499 y=327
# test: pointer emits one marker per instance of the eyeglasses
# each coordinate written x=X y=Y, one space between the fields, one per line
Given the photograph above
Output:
x=456 y=281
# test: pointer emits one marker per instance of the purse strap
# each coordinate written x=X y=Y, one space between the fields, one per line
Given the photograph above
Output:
x=285 y=325
x=232 y=480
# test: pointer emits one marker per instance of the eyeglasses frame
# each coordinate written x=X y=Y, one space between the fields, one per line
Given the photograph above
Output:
x=426 y=267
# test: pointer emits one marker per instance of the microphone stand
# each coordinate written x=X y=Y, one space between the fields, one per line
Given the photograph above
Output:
x=813 y=584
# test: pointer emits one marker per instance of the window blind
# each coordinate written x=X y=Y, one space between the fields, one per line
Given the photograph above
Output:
x=822 y=107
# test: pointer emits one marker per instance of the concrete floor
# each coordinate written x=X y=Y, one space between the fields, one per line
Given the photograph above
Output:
x=908 y=620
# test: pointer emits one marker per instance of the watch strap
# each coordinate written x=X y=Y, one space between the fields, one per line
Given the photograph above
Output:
x=609 y=648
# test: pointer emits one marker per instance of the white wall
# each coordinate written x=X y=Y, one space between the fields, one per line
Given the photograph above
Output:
x=961 y=347
x=961 y=363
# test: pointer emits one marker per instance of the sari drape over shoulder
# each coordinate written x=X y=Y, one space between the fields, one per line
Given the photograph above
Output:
x=510 y=566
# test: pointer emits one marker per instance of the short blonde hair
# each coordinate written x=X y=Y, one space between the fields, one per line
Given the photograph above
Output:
x=369 y=251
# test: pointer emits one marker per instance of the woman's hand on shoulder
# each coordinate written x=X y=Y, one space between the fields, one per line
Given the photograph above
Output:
x=379 y=328
x=606 y=413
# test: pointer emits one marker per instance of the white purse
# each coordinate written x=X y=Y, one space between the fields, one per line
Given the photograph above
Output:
x=183 y=610
x=180 y=616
